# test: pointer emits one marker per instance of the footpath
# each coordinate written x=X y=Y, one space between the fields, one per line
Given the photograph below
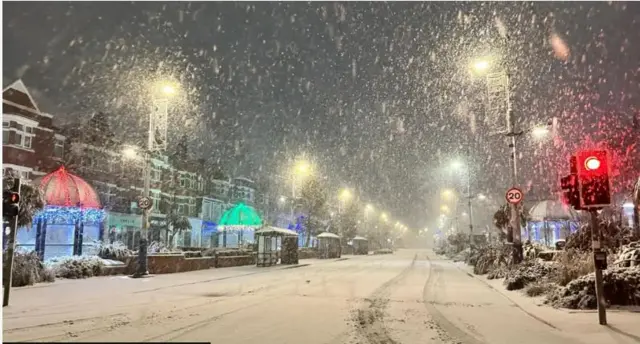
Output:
x=623 y=322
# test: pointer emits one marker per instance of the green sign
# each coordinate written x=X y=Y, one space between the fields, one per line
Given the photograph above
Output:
x=124 y=220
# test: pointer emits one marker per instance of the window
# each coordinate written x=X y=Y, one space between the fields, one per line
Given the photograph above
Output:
x=58 y=148
x=181 y=209
x=22 y=134
x=155 y=174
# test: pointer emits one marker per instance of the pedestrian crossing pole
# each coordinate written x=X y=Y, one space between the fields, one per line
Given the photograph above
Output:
x=12 y=228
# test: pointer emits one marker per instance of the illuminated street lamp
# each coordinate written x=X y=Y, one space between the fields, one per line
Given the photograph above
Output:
x=480 y=66
x=162 y=91
x=129 y=153
x=384 y=217
x=539 y=133
x=444 y=209
x=345 y=195
x=447 y=194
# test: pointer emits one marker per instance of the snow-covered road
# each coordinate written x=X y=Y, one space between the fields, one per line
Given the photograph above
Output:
x=409 y=297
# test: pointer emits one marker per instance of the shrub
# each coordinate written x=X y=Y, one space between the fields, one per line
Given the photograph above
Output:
x=529 y=271
x=570 y=265
x=491 y=257
x=28 y=269
x=115 y=251
x=157 y=247
x=77 y=266
x=613 y=235
x=539 y=288
x=621 y=287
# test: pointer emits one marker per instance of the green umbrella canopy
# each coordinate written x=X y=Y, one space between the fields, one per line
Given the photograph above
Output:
x=240 y=215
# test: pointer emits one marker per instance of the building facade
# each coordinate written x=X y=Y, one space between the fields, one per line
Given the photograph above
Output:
x=31 y=145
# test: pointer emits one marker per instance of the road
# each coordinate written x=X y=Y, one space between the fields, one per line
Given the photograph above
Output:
x=405 y=298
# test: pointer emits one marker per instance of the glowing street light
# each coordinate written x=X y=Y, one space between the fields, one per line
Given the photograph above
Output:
x=384 y=217
x=540 y=132
x=368 y=208
x=457 y=165
x=282 y=199
x=130 y=153
x=447 y=194
x=302 y=168
x=444 y=209
x=480 y=66
x=345 y=195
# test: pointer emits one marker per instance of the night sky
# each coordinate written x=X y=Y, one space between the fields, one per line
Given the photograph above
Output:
x=378 y=94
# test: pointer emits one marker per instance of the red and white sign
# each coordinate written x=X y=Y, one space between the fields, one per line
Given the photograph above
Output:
x=514 y=196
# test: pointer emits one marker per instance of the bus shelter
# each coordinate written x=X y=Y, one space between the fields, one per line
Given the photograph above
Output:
x=272 y=238
x=329 y=246
x=360 y=245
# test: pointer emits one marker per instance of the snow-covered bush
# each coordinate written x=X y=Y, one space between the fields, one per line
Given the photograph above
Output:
x=621 y=287
x=491 y=257
x=614 y=236
x=77 y=266
x=29 y=270
x=540 y=288
x=157 y=247
x=571 y=264
x=115 y=251
x=628 y=255
x=519 y=276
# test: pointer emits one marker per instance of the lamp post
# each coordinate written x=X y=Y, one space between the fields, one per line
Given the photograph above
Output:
x=156 y=142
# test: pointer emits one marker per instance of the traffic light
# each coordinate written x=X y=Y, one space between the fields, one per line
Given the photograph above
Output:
x=594 y=186
x=569 y=185
x=10 y=203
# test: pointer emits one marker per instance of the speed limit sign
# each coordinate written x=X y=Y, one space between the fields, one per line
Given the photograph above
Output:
x=514 y=196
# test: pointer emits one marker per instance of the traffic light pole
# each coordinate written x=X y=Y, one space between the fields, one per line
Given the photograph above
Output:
x=11 y=248
x=596 y=246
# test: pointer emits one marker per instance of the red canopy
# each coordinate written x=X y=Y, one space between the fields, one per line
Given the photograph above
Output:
x=61 y=188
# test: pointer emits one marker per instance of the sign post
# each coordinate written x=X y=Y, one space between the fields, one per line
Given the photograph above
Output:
x=514 y=196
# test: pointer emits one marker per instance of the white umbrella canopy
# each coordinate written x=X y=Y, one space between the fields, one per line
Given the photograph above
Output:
x=552 y=210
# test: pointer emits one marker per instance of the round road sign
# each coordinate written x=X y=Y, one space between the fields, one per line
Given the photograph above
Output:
x=144 y=203
x=514 y=196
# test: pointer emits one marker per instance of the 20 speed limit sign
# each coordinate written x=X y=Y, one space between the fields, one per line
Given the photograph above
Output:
x=514 y=196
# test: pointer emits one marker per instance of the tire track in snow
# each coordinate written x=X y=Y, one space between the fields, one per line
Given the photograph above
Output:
x=370 y=318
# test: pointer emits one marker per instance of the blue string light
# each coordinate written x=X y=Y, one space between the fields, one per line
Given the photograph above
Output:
x=69 y=215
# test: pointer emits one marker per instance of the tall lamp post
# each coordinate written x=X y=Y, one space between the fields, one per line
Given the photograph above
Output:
x=156 y=142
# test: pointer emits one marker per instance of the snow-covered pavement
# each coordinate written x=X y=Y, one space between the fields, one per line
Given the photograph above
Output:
x=409 y=297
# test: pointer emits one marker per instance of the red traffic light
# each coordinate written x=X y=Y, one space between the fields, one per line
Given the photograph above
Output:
x=592 y=163
x=11 y=197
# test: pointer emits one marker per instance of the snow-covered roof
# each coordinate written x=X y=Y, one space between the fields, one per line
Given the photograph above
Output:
x=360 y=238
x=276 y=231
x=552 y=210
x=328 y=235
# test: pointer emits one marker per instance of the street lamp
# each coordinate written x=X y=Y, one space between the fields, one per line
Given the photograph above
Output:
x=129 y=153
x=384 y=217
x=157 y=142
x=345 y=195
x=539 y=133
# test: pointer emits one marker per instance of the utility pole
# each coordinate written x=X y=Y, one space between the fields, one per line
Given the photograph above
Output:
x=599 y=256
x=11 y=245
x=515 y=208
x=470 y=197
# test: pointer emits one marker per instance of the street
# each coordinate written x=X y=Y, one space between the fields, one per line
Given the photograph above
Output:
x=412 y=296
